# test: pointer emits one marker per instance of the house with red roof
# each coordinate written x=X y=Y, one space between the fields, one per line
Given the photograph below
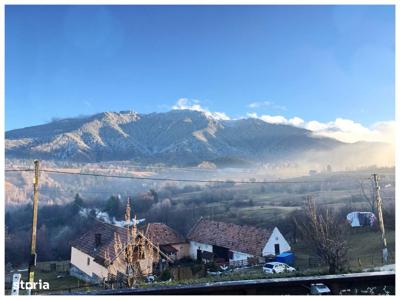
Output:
x=230 y=243
x=100 y=252
x=169 y=241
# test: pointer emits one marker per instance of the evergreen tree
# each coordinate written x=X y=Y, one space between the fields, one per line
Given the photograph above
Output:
x=113 y=207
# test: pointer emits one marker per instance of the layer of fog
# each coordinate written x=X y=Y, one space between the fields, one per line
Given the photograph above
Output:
x=58 y=188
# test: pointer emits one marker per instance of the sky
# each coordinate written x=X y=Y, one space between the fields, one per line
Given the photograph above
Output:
x=329 y=69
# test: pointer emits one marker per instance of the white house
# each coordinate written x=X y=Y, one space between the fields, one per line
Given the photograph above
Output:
x=276 y=244
x=95 y=255
x=231 y=243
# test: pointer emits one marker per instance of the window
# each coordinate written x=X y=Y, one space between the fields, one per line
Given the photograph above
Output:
x=88 y=261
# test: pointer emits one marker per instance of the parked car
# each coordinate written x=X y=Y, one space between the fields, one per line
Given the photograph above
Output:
x=277 y=267
x=319 y=289
x=150 y=278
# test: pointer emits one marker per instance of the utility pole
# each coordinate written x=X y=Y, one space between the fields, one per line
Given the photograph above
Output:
x=385 y=253
x=32 y=261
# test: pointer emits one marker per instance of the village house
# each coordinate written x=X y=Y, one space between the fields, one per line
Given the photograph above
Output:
x=107 y=252
x=233 y=244
x=100 y=253
x=170 y=242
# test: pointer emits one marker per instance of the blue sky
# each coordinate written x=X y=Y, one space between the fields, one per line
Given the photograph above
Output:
x=312 y=62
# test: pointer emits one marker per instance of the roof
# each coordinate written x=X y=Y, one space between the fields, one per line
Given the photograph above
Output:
x=168 y=249
x=245 y=239
x=158 y=233
x=86 y=243
x=162 y=234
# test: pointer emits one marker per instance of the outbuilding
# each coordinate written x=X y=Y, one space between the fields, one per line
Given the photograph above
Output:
x=170 y=242
x=232 y=243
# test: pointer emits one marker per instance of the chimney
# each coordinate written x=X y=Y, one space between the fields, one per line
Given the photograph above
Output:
x=97 y=240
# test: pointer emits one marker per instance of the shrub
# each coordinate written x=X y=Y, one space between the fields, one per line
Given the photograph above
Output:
x=165 y=275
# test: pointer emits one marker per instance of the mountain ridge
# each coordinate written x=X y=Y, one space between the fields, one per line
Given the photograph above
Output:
x=180 y=137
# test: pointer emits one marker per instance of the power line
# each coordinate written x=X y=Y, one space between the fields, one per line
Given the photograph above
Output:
x=154 y=167
x=82 y=192
x=130 y=165
x=18 y=170
x=172 y=179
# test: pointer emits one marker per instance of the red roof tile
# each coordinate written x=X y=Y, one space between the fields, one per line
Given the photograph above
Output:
x=86 y=243
x=158 y=233
x=162 y=234
x=245 y=239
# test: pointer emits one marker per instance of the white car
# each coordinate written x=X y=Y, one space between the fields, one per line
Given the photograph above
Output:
x=319 y=289
x=277 y=267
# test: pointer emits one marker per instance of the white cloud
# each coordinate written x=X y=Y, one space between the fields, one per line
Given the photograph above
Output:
x=266 y=104
x=349 y=131
x=259 y=104
x=184 y=103
x=274 y=119
x=341 y=129
x=386 y=129
x=296 y=121
x=316 y=126
x=192 y=104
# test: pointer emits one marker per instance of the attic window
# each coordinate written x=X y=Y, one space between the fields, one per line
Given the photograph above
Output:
x=88 y=261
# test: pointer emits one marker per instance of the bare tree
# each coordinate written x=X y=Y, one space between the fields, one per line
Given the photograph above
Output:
x=370 y=199
x=325 y=233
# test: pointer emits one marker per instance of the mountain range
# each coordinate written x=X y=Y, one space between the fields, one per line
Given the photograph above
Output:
x=177 y=137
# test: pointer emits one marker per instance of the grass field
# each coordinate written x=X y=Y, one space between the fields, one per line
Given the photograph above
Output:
x=364 y=250
x=263 y=205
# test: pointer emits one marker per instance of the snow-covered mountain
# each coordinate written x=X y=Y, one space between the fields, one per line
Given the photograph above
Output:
x=178 y=137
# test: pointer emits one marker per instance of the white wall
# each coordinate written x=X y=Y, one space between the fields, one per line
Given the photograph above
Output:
x=194 y=246
x=183 y=250
x=275 y=238
x=239 y=256
x=79 y=259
